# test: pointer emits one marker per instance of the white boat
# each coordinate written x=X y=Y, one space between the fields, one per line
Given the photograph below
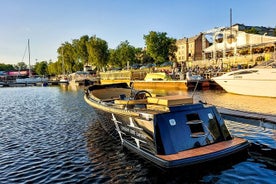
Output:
x=32 y=80
x=191 y=77
x=64 y=80
x=253 y=82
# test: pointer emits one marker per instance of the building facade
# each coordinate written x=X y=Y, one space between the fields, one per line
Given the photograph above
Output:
x=190 y=49
x=235 y=45
x=228 y=46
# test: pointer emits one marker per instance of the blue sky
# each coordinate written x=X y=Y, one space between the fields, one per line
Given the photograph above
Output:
x=49 y=23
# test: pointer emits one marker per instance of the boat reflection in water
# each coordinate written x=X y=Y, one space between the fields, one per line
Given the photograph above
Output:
x=170 y=131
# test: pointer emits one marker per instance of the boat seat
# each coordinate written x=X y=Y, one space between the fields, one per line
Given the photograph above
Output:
x=170 y=100
x=130 y=102
x=111 y=93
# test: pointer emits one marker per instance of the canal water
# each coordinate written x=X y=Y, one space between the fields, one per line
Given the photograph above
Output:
x=50 y=135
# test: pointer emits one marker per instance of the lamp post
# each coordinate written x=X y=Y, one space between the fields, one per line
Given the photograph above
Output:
x=263 y=37
x=274 y=53
x=263 y=44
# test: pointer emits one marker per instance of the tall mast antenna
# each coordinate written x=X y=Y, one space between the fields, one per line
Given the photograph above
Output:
x=231 y=21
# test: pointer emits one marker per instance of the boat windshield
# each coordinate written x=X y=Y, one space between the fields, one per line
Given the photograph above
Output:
x=244 y=72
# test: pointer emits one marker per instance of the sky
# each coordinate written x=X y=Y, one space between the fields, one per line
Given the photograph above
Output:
x=49 y=23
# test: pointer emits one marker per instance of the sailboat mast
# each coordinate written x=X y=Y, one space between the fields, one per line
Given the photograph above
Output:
x=63 y=69
x=231 y=21
x=29 y=57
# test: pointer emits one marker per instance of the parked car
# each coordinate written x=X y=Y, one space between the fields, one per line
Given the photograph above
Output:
x=167 y=63
x=149 y=65
x=135 y=66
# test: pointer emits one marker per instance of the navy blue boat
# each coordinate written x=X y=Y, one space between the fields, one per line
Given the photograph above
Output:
x=170 y=131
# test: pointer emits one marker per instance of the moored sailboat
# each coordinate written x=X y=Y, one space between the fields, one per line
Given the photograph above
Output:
x=30 y=79
x=64 y=79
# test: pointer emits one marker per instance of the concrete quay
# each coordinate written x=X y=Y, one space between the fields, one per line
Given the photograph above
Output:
x=257 y=119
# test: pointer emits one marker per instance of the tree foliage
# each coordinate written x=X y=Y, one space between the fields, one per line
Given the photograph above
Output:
x=40 y=68
x=97 y=52
x=80 y=46
x=160 y=47
x=53 y=68
x=21 y=66
x=66 y=58
x=94 y=51
x=126 y=53
x=6 y=67
x=113 y=59
x=252 y=30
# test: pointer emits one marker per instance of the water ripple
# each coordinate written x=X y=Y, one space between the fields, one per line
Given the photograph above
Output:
x=49 y=135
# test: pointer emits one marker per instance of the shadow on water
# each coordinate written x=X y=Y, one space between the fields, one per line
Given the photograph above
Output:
x=118 y=165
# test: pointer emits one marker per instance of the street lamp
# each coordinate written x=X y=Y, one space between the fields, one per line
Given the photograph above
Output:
x=263 y=37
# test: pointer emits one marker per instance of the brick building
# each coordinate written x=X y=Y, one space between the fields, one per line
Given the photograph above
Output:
x=190 y=49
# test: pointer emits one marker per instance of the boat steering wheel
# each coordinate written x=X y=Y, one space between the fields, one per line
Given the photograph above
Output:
x=143 y=94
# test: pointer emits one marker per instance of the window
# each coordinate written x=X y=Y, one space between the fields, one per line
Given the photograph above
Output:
x=195 y=124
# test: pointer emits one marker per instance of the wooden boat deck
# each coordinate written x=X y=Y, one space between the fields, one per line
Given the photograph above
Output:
x=202 y=150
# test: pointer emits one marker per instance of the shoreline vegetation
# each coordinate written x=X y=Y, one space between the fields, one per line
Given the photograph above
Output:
x=93 y=52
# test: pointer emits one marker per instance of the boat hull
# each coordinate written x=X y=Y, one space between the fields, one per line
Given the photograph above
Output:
x=165 y=138
x=31 y=80
x=192 y=157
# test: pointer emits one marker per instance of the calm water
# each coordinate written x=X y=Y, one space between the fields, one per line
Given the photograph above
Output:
x=50 y=135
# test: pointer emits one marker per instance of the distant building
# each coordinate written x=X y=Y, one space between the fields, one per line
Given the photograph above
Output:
x=228 y=46
x=238 y=40
x=190 y=49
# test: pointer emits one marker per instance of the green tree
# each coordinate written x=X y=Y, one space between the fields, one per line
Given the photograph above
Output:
x=126 y=53
x=66 y=58
x=252 y=30
x=78 y=66
x=6 y=67
x=142 y=57
x=113 y=59
x=53 y=68
x=80 y=46
x=160 y=47
x=20 y=66
x=40 y=68
x=97 y=52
